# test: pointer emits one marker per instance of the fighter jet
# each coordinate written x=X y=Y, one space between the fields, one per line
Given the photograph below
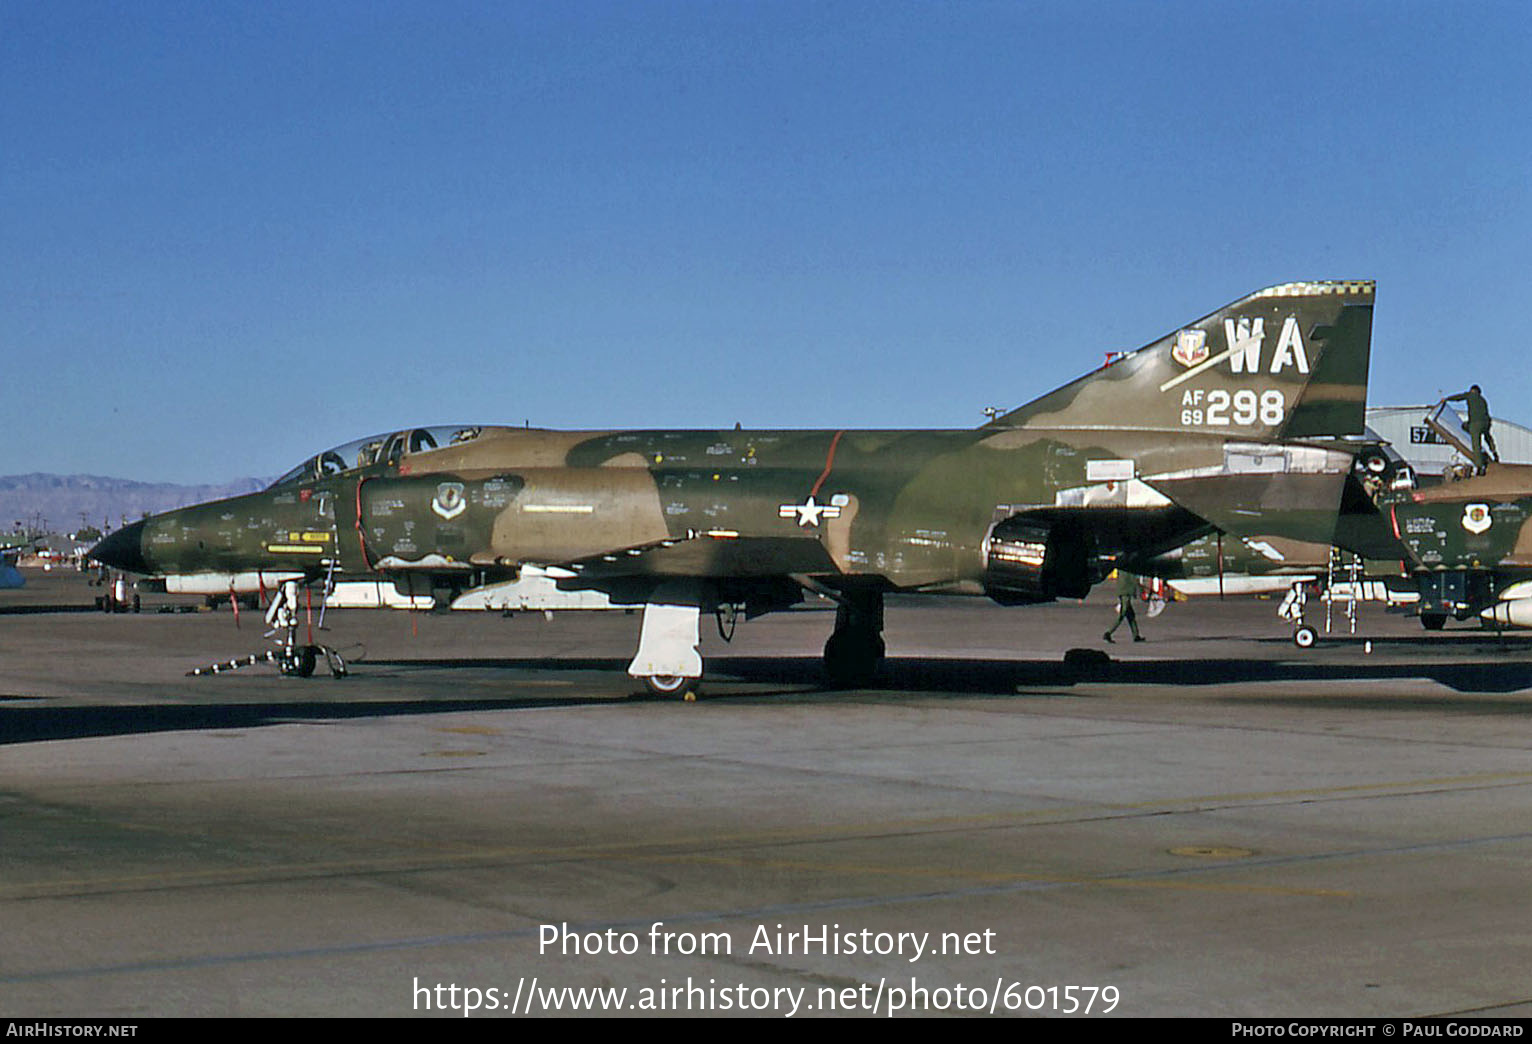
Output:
x=1458 y=549
x=1233 y=421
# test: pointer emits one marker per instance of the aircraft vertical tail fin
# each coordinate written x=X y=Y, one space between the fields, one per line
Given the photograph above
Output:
x=1289 y=361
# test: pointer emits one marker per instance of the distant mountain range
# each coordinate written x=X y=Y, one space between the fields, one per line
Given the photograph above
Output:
x=60 y=500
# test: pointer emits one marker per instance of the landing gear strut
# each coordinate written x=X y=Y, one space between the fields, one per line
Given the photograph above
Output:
x=1304 y=636
x=855 y=651
x=292 y=659
x=668 y=660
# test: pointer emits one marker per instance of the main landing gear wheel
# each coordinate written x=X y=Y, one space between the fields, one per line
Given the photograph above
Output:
x=1305 y=637
x=853 y=656
x=673 y=685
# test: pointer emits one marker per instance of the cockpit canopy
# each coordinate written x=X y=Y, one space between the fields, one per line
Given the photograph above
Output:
x=388 y=449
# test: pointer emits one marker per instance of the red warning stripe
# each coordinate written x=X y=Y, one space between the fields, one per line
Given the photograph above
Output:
x=829 y=463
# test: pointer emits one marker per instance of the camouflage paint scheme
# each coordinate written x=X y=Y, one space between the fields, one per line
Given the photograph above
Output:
x=1228 y=422
x=1477 y=523
x=1469 y=542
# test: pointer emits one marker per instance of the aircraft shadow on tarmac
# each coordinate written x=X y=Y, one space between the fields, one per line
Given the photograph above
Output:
x=1492 y=671
x=22 y=720
x=32 y=724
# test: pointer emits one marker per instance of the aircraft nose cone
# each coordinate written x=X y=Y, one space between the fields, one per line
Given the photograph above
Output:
x=123 y=549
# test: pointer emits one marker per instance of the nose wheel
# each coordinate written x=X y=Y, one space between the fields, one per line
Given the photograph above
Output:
x=299 y=661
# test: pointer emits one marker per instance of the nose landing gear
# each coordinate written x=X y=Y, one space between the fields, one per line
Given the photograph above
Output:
x=292 y=659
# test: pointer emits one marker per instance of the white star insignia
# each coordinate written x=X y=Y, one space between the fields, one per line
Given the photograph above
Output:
x=808 y=513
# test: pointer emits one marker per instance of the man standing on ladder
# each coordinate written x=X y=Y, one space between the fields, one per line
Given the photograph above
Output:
x=1478 y=427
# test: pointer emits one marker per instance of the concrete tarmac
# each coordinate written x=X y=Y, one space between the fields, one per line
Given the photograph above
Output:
x=1211 y=823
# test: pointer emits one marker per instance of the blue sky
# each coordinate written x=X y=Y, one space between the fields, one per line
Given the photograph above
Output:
x=233 y=234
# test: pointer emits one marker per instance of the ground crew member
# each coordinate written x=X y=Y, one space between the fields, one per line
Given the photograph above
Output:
x=1478 y=426
x=1127 y=590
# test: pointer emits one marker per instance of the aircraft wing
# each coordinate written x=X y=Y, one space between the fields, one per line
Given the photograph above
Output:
x=761 y=573
x=705 y=556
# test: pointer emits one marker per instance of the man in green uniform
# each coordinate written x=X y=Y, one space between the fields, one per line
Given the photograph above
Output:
x=1478 y=426
x=1127 y=590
